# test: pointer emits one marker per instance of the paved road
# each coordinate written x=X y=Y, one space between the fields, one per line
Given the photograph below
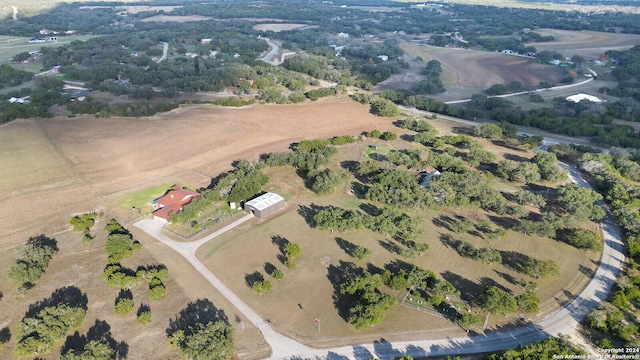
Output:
x=269 y=57
x=549 y=139
x=561 y=87
x=165 y=50
x=281 y=345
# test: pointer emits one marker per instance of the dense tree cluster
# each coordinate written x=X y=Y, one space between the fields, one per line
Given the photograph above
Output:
x=84 y=223
x=32 y=261
x=41 y=330
x=388 y=221
x=496 y=300
x=370 y=303
x=213 y=340
x=93 y=350
x=398 y=188
x=12 y=77
x=485 y=255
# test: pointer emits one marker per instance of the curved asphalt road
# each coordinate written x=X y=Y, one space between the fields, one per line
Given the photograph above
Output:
x=560 y=87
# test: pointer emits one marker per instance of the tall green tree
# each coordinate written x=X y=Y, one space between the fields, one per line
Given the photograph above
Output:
x=211 y=341
x=499 y=301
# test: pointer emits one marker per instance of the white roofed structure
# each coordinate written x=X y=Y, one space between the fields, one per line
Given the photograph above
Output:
x=265 y=205
x=579 y=97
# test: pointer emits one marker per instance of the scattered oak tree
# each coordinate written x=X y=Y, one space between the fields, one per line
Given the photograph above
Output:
x=32 y=261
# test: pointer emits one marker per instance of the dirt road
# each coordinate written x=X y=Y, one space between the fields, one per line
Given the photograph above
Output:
x=165 y=49
x=281 y=346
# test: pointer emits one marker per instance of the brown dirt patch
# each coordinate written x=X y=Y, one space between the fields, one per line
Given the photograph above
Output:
x=480 y=70
x=116 y=153
x=140 y=8
x=176 y=18
x=277 y=27
x=589 y=44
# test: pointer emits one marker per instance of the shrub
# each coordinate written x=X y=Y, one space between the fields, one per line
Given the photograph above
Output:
x=277 y=274
x=361 y=252
x=158 y=292
x=144 y=317
x=123 y=306
x=388 y=136
x=261 y=287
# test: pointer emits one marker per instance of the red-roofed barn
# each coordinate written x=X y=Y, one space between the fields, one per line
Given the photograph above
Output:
x=172 y=202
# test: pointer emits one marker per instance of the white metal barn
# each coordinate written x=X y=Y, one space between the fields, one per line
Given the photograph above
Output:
x=264 y=205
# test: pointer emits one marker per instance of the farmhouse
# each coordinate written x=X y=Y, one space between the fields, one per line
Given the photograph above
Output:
x=264 y=205
x=172 y=202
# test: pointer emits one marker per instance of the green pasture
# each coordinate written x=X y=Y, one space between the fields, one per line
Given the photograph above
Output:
x=12 y=45
x=141 y=199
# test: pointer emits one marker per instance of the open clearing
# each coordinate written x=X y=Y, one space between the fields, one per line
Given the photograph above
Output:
x=132 y=9
x=15 y=45
x=56 y=168
x=277 y=27
x=588 y=44
x=479 y=70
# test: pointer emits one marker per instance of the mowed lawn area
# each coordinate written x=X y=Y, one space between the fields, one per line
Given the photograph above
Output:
x=307 y=292
x=15 y=45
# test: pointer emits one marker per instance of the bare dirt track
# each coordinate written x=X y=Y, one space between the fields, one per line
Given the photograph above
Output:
x=589 y=44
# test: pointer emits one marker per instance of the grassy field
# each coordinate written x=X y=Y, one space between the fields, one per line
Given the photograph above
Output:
x=141 y=198
x=588 y=44
x=35 y=7
x=14 y=45
x=307 y=292
x=544 y=5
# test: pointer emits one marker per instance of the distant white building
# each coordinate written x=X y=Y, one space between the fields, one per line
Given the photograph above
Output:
x=206 y=41
x=24 y=100
x=383 y=57
x=579 y=97
x=343 y=35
